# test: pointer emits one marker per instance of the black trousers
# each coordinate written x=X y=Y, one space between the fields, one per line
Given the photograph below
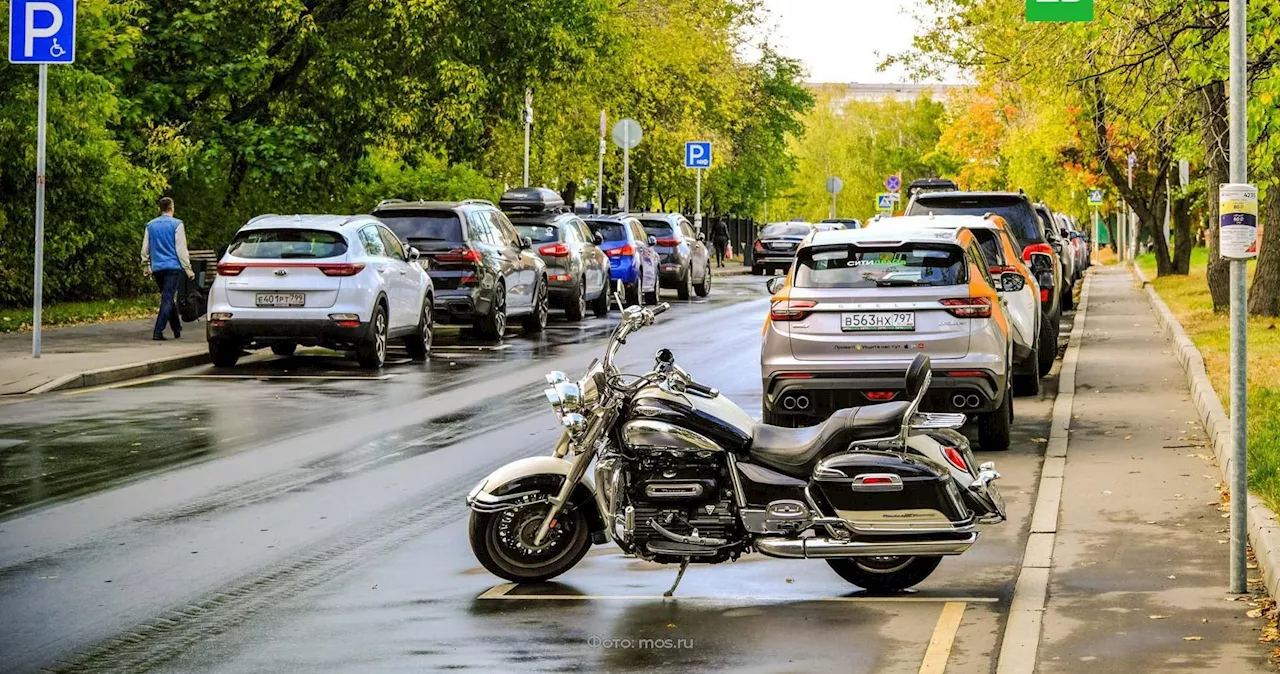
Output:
x=719 y=245
x=167 y=281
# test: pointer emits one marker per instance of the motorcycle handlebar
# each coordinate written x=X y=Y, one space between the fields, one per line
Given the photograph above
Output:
x=661 y=308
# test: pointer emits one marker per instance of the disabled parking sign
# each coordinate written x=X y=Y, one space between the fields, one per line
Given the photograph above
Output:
x=42 y=31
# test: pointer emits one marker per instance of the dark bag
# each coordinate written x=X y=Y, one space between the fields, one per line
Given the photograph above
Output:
x=191 y=300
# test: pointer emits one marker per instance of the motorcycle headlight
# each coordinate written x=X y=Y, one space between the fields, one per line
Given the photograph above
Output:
x=565 y=398
x=575 y=423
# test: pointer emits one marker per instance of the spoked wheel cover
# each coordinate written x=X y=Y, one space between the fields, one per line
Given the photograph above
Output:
x=428 y=328
x=512 y=533
x=500 y=313
x=541 y=307
x=380 y=335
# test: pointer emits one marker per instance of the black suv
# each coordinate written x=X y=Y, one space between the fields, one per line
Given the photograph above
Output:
x=1038 y=251
x=577 y=269
x=483 y=270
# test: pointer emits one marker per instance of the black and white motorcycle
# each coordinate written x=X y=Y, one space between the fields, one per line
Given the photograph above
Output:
x=681 y=474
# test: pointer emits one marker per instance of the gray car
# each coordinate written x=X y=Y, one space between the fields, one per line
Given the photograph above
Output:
x=577 y=270
x=684 y=263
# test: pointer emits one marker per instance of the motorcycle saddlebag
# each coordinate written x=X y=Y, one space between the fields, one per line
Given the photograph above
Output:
x=887 y=492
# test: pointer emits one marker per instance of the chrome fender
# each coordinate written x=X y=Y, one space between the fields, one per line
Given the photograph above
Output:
x=536 y=479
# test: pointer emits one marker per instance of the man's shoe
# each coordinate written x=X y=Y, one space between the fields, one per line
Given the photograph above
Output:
x=158 y=338
x=177 y=334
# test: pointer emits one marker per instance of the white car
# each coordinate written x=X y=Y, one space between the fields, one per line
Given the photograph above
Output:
x=999 y=250
x=338 y=281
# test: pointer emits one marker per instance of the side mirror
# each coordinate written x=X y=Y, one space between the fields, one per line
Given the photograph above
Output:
x=653 y=240
x=526 y=243
x=775 y=284
x=1012 y=282
x=414 y=254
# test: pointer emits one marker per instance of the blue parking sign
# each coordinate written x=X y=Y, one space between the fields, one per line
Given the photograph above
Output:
x=42 y=31
x=697 y=154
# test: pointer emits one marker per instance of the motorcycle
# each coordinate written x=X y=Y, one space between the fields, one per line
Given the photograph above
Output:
x=682 y=474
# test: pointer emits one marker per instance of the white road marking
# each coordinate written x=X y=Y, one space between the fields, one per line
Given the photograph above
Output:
x=121 y=384
x=1021 y=643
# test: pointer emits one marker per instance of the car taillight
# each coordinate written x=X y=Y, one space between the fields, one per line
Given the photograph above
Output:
x=880 y=396
x=341 y=269
x=1042 y=248
x=791 y=310
x=554 y=250
x=955 y=458
x=964 y=373
x=671 y=243
x=230 y=269
x=624 y=251
x=460 y=255
x=968 y=307
x=468 y=279
x=996 y=271
x=759 y=246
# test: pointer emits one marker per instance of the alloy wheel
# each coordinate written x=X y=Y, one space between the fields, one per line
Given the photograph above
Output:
x=380 y=335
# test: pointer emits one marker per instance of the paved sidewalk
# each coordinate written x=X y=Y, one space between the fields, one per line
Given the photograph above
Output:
x=730 y=269
x=1139 y=573
x=67 y=352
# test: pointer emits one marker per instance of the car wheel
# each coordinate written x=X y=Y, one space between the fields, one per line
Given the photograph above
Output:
x=600 y=305
x=535 y=321
x=1069 y=297
x=575 y=307
x=284 y=348
x=494 y=326
x=757 y=270
x=371 y=352
x=419 y=343
x=1028 y=384
x=1046 y=346
x=632 y=295
x=995 y=427
x=224 y=352
x=651 y=297
x=703 y=289
x=685 y=290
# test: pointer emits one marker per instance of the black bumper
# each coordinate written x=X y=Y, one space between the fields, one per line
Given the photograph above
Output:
x=459 y=307
x=825 y=394
x=308 y=332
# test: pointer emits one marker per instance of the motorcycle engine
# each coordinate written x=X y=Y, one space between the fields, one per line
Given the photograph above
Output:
x=688 y=494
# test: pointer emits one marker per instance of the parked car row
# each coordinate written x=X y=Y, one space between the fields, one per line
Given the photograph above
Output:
x=977 y=281
x=358 y=282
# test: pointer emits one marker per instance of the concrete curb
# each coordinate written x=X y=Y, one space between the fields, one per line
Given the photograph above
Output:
x=117 y=373
x=1264 y=529
x=730 y=271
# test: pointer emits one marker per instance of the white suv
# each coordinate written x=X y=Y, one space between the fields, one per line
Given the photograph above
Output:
x=337 y=281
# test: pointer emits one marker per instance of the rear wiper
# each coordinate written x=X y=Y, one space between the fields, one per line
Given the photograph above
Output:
x=293 y=255
x=426 y=238
x=886 y=282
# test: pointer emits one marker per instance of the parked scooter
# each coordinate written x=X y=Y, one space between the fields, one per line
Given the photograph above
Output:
x=881 y=493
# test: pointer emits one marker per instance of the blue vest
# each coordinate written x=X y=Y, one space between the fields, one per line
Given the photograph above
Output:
x=163 y=241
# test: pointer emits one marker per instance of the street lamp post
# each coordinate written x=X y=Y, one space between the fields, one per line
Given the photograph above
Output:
x=1239 y=173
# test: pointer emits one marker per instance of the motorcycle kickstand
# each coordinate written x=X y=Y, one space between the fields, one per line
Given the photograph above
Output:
x=684 y=564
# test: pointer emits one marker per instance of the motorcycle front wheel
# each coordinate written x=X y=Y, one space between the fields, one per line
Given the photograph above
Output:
x=503 y=543
x=884 y=574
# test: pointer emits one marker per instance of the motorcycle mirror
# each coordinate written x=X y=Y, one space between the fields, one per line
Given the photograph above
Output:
x=665 y=356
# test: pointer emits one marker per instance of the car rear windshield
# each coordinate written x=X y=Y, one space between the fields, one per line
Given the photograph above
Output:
x=287 y=243
x=658 y=228
x=609 y=231
x=424 y=226
x=784 y=229
x=539 y=233
x=1024 y=224
x=843 y=266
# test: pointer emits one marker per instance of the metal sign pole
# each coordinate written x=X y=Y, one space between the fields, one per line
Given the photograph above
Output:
x=698 y=208
x=833 y=206
x=37 y=309
x=1239 y=322
x=528 y=122
x=626 y=174
x=600 y=171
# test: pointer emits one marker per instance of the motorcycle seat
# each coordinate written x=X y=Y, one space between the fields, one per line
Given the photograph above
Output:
x=796 y=451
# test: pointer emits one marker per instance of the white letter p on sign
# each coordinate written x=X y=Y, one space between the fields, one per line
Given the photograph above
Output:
x=29 y=48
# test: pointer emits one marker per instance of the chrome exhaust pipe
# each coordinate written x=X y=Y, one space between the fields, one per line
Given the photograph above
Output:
x=973 y=401
x=828 y=548
x=788 y=403
x=802 y=402
x=958 y=400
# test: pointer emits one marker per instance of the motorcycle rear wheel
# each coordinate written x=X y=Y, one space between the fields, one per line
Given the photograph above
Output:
x=884 y=574
x=503 y=543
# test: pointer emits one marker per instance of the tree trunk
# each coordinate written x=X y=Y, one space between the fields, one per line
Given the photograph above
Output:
x=1183 y=242
x=1264 y=295
x=1214 y=103
x=570 y=193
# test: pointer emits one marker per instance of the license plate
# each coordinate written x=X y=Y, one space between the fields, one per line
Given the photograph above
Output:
x=782 y=246
x=878 y=320
x=281 y=299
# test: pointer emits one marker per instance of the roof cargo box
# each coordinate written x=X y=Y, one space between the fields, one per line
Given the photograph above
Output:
x=535 y=199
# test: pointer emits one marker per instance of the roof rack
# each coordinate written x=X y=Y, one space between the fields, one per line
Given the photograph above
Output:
x=482 y=202
x=384 y=202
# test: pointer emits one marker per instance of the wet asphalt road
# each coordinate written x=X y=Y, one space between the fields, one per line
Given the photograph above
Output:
x=299 y=515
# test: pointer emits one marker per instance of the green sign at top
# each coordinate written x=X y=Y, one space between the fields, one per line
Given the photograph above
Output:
x=1059 y=10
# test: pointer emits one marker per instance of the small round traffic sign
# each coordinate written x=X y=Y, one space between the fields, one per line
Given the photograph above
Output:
x=893 y=183
x=834 y=185
x=627 y=134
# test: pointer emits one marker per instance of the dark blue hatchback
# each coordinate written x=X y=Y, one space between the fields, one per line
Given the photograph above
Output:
x=632 y=258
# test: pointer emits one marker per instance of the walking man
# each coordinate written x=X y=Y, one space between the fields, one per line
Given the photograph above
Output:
x=720 y=239
x=165 y=256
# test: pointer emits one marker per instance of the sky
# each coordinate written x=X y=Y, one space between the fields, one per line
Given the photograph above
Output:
x=842 y=40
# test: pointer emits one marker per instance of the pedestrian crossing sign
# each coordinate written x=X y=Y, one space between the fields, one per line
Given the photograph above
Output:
x=884 y=202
